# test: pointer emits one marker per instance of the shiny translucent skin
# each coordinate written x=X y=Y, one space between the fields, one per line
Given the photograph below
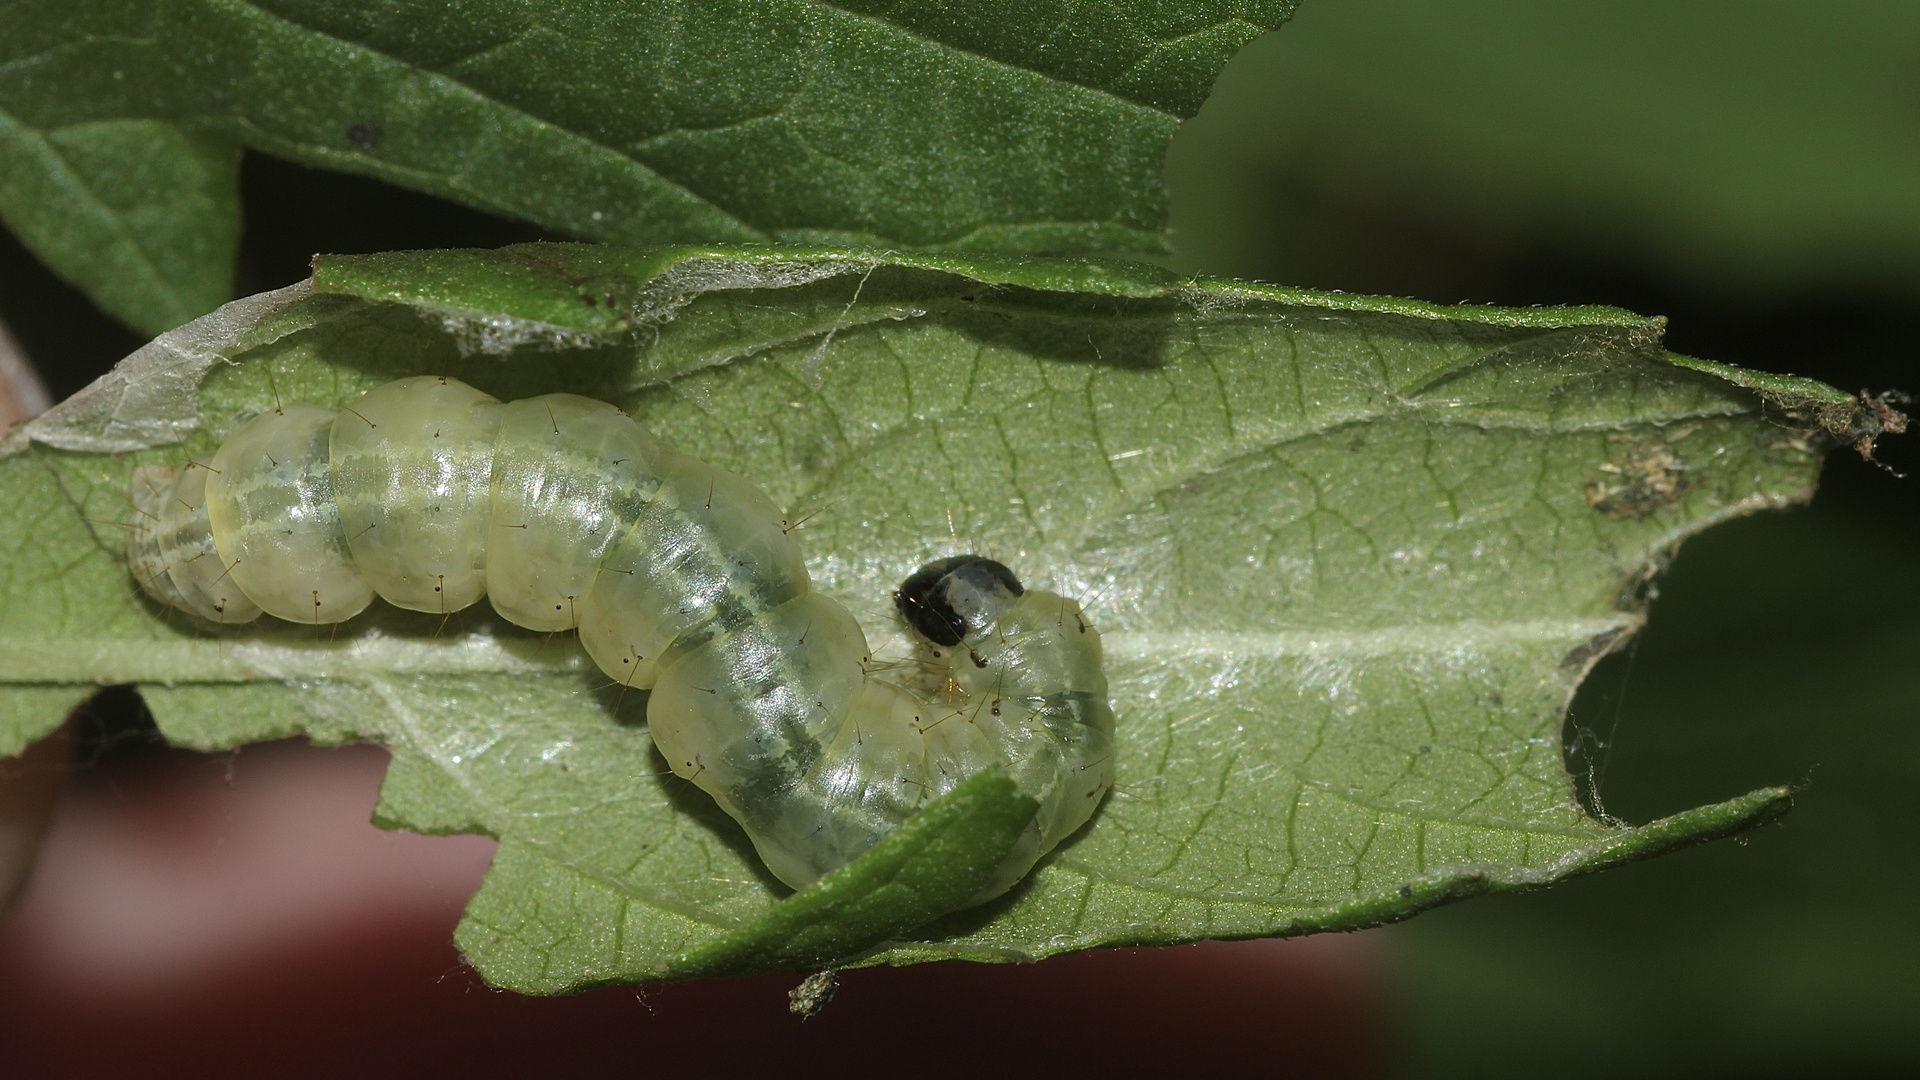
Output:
x=681 y=578
x=746 y=716
x=565 y=472
x=170 y=545
x=1035 y=687
x=412 y=465
x=706 y=553
x=271 y=509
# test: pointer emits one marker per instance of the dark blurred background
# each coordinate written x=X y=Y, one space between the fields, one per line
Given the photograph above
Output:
x=1749 y=169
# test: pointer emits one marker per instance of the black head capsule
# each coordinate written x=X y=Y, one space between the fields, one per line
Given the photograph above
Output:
x=947 y=600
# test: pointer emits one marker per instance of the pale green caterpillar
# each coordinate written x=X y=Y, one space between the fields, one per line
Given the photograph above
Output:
x=680 y=577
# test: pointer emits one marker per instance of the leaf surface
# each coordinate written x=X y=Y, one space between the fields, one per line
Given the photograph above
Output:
x=1350 y=557
x=140 y=213
x=1008 y=126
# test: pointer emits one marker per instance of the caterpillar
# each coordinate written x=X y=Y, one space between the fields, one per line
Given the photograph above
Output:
x=679 y=577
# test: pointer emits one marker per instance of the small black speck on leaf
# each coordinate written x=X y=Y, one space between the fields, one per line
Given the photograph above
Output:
x=365 y=135
x=1406 y=891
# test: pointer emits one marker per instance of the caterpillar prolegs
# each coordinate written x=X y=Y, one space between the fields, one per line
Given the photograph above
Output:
x=680 y=577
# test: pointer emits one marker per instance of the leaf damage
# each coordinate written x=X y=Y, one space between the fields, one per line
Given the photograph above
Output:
x=1341 y=662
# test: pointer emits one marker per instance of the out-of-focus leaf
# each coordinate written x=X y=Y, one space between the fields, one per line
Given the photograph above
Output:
x=1758 y=150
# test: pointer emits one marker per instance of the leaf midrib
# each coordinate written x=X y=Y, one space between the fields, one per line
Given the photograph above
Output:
x=172 y=662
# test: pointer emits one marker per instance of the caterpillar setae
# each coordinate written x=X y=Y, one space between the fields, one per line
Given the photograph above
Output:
x=680 y=577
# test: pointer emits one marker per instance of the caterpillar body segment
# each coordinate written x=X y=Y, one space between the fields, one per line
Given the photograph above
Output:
x=680 y=577
x=412 y=466
x=706 y=554
x=171 y=547
x=569 y=474
x=275 y=523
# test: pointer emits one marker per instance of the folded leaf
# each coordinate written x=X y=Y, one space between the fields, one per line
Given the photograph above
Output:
x=1350 y=557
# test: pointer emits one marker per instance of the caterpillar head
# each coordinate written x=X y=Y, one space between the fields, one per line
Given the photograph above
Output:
x=952 y=599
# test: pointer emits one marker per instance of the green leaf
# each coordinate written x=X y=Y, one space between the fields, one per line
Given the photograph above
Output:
x=1026 y=127
x=142 y=214
x=29 y=712
x=928 y=867
x=1350 y=555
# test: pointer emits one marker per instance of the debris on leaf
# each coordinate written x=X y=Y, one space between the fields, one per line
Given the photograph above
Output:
x=813 y=994
x=1647 y=480
x=1885 y=419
